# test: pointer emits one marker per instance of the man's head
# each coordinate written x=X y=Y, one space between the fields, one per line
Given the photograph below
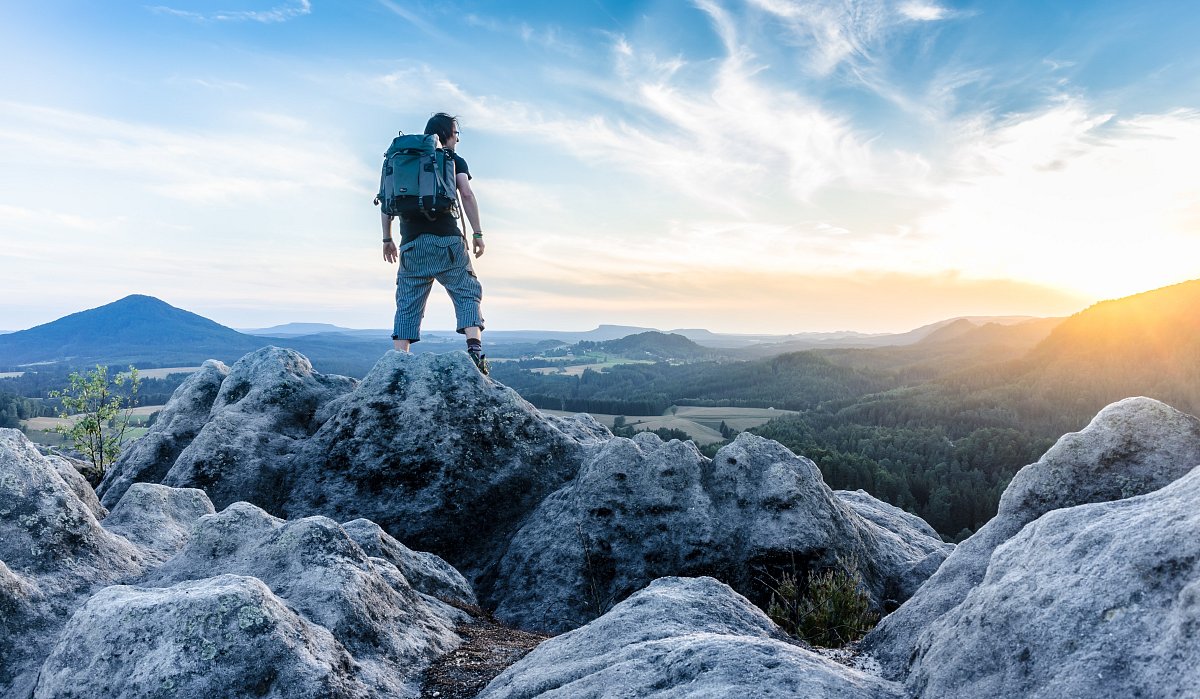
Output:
x=446 y=128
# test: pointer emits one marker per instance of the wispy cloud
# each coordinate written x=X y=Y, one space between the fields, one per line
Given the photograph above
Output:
x=415 y=19
x=209 y=83
x=837 y=31
x=548 y=37
x=193 y=166
x=274 y=15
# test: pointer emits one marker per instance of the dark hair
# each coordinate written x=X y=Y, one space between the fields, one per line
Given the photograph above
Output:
x=441 y=124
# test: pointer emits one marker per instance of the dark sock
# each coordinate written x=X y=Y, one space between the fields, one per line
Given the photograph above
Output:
x=474 y=345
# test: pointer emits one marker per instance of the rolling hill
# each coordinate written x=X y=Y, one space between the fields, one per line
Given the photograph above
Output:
x=1147 y=344
x=653 y=345
x=148 y=332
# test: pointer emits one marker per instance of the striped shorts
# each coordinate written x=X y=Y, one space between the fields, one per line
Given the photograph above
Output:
x=446 y=259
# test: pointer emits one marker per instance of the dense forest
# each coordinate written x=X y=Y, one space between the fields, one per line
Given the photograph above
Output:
x=35 y=386
x=790 y=382
x=14 y=408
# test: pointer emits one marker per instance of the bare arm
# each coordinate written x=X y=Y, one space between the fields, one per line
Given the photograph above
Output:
x=389 y=248
x=471 y=209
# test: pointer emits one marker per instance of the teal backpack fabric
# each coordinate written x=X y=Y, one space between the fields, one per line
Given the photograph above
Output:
x=417 y=178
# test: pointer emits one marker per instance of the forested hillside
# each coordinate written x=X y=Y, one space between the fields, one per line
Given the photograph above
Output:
x=940 y=427
x=791 y=381
x=652 y=345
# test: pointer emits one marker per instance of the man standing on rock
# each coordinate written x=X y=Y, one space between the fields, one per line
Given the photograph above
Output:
x=437 y=249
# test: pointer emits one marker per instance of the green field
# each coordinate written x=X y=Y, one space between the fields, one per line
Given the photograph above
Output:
x=40 y=430
x=578 y=369
x=701 y=424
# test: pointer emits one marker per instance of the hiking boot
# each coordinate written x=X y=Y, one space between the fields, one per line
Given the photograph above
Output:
x=480 y=360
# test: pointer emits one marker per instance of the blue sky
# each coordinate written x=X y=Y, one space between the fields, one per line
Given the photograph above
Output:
x=756 y=165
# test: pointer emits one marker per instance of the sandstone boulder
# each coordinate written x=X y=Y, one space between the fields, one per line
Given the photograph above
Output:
x=424 y=571
x=391 y=630
x=886 y=515
x=166 y=597
x=443 y=458
x=1099 y=600
x=682 y=637
x=53 y=554
x=158 y=519
x=1134 y=446
x=226 y=636
x=643 y=509
x=71 y=470
x=265 y=409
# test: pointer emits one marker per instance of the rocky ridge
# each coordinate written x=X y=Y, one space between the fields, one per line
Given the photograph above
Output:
x=552 y=520
x=295 y=584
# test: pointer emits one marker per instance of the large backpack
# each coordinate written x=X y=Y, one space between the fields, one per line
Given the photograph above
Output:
x=418 y=178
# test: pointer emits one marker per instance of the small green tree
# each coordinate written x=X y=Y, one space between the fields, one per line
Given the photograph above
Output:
x=98 y=410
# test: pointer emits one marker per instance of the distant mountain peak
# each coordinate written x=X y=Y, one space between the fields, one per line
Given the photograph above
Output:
x=122 y=330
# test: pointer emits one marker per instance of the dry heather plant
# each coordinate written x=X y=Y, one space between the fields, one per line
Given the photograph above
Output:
x=828 y=609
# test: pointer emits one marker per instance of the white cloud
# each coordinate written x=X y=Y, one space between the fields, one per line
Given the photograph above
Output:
x=731 y=142
x=851 y=32
x=280 y=13
x=923 y=11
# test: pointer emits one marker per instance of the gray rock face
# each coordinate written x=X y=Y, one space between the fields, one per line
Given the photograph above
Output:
x=158 y=519
x=1134 y=446
x=642 y=509
x=424 y=571
x=1098 y=600
x=149 y=459
x=265 y=409
x=70 y=471
x=448 y=461
x=318 y=570
x=885 y=515
x=226 y=636
x=53 y=553
x=681 y=637
x=443 y=458
x=581 y=427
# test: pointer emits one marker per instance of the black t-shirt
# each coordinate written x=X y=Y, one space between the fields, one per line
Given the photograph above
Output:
x=442 y=224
